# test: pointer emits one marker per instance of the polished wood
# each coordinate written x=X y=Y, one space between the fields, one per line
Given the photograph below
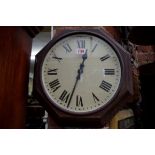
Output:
x=97 y=119
x=113 y=31
x=33 y=30
x=15 y=50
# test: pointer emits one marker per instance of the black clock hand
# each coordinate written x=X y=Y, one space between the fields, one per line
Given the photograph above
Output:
x=80 y=71
x=72 y=92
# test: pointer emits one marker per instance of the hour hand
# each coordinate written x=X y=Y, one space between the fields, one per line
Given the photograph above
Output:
x=84 y=56
x=79 y=72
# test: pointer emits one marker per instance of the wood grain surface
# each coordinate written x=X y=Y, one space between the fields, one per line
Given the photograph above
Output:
x=15 y=49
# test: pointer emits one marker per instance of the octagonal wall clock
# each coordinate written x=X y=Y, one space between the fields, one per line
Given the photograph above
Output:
x=82 y=78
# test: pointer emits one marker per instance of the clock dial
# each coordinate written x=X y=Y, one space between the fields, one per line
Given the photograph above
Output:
x=81 y=73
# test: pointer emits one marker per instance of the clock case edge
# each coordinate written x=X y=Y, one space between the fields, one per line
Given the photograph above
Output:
x=99 y=118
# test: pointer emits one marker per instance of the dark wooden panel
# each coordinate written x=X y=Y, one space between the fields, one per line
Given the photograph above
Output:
x=15 y=49
x=33 y=30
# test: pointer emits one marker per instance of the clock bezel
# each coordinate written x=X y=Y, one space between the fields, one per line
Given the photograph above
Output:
x=49 y=102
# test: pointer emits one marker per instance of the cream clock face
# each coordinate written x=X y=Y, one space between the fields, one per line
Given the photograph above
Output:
x=81 y=73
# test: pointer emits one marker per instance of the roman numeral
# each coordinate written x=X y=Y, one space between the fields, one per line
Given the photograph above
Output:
x=79 y=102
x=54 y=85
x=95 y=98
x=64 y=96
x=55 y=57
x=109 y=71
x=67 y=48
x=81 y=43
x=105 y=85
x=94 y=48
x=105 y=57
x=52 y=71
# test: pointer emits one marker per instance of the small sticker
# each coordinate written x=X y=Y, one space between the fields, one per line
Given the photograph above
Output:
x=81 y=51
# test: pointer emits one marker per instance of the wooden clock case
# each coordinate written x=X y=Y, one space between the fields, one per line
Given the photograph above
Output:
x=99 y=118
x=15 y=52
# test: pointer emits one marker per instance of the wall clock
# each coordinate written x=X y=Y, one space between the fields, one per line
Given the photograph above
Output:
x=82 y=77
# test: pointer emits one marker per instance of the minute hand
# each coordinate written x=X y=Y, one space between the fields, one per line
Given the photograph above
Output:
x=80 y=71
